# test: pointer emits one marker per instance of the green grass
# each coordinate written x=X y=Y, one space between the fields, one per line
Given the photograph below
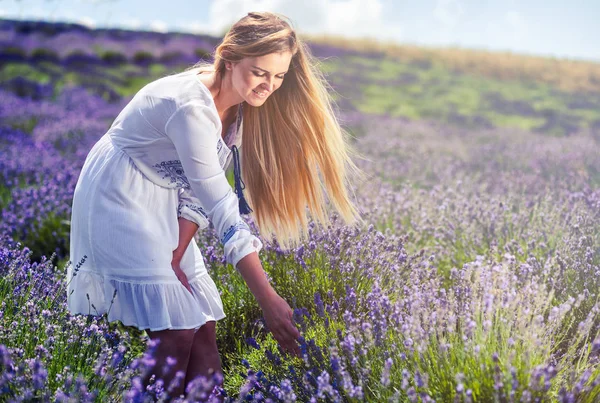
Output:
x=50 y=234
x=514 y=121
x=126 y=79
x=25 y=70
x=439 y=91
x=5 y=196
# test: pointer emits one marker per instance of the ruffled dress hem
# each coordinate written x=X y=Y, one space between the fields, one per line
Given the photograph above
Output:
x=146 y=305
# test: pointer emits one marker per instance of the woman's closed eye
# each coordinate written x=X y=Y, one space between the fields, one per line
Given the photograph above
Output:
x=263 y=74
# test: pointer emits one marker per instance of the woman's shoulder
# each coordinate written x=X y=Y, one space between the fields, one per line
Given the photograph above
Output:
x=180 y=89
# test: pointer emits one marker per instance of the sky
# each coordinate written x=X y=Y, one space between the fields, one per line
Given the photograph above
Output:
x=555 y=28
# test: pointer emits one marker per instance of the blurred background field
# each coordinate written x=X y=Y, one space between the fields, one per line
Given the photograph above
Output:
x=458 y=86
x=476 y=280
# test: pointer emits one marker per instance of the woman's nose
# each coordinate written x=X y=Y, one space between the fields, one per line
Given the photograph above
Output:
x=269 y=83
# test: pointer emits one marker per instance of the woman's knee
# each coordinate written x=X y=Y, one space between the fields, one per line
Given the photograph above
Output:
x=205 y=353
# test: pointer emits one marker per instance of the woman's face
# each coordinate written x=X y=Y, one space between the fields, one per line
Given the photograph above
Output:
x=256 y=78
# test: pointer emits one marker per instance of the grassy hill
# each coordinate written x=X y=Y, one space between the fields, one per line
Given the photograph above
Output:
x=463 y=88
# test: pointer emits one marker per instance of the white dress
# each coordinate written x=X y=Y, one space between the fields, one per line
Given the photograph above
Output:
x=163 y=157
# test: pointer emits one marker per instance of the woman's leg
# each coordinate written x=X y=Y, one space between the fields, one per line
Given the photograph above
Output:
x=176 y=344
x=204 y=357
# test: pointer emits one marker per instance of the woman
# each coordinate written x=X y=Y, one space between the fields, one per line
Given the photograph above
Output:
x=157 y=176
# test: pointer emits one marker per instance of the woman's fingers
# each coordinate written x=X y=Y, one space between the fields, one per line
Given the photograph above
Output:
x=292 y=330
x=290 y=327
x=287 y=336
x=279 y=318
x=185 y=283
x=287 y=345
x=182 y=277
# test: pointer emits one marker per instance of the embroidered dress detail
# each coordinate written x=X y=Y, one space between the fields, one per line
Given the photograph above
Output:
x=174 y=171
x=190 y=208
x=197 y=209
x=194 y=207
x=231 y=230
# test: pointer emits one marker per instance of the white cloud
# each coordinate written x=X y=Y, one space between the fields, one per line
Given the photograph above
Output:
x=224 y=13
x=351 y=18
x=159 y=26
x=87 y=21
x=194 y=27
x=354 y=17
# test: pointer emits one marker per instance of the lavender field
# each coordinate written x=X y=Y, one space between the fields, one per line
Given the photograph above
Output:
x=476 y=280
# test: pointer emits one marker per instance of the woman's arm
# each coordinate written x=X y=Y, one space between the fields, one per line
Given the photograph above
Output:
x=255 y=277
x=278 y=314
x=187 y=229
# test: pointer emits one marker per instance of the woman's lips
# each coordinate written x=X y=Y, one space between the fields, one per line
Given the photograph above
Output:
x=262 y=94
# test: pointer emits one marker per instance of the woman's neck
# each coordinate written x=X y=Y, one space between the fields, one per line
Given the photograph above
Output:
x=222 y=92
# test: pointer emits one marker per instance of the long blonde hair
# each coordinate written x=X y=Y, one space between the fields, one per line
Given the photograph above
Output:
x=292 y=137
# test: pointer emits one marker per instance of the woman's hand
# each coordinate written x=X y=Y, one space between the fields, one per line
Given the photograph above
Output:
x=187 y=229
x=180 y=274
x=279 y=318
x=278 y=314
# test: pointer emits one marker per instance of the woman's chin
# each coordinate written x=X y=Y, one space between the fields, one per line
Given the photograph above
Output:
x=254 y=101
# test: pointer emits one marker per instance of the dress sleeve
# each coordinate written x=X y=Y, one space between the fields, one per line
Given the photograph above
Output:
x=191 y=209
x=192 y=129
